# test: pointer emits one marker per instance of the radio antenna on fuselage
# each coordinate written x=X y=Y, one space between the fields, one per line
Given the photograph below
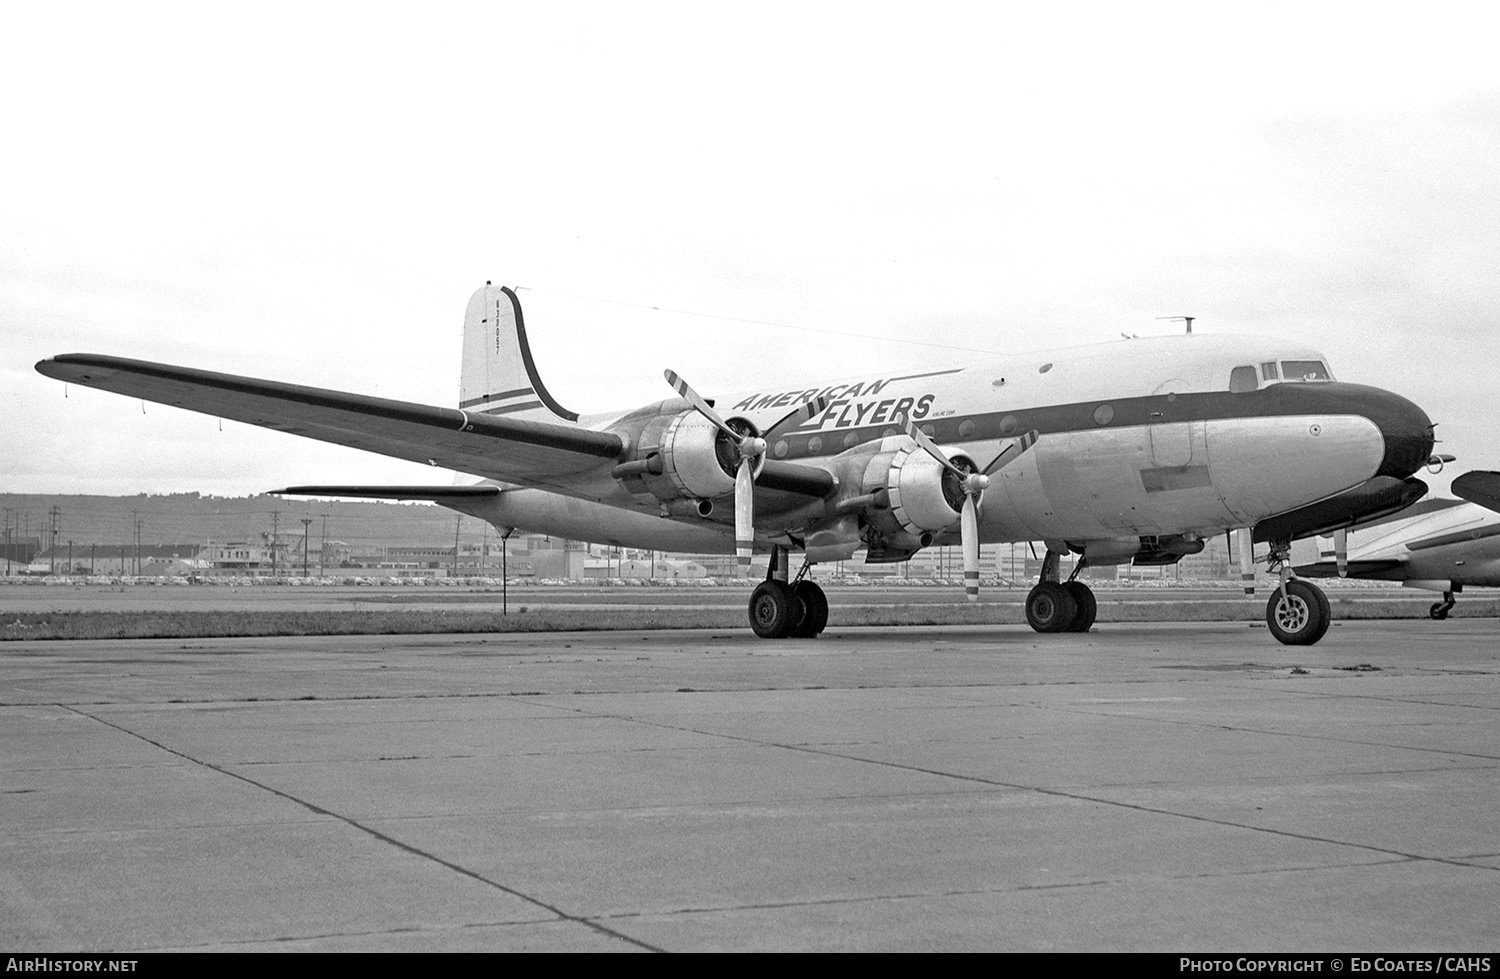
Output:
x=1186 y=319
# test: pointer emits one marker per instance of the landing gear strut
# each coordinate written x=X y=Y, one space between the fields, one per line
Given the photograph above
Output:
x=1441 y=609
x=1060 y=606
x=1298 y=613
x=781 y=609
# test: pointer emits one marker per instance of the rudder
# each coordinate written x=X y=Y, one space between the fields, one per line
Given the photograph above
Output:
x=499 y=377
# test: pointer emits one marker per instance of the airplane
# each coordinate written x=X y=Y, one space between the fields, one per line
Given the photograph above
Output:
x=1131 y=451
x=1439 y=545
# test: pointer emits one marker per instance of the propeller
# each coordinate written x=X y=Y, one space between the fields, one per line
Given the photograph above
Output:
x=972 y=484
x=1247 y=560
x=749 y=446
x=1341 y=551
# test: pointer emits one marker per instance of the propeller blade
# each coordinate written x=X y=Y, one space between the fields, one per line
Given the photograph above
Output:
x=800 y=414
x=683 y=388
x=1011 y=452
x=1247 y=561
x=929 y=446
x=744 y=516
x=969 y=531
x=1341 y=551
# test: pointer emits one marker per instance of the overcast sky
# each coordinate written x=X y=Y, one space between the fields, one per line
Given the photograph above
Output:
x=774 y=194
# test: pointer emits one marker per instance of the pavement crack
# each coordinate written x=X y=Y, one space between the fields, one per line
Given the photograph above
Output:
x=378 y=835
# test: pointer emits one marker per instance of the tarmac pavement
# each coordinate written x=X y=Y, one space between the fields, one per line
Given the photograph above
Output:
x=1145 y=787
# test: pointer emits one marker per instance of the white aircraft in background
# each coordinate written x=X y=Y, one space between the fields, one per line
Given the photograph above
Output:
x=1133 y=451
x=1439 y=545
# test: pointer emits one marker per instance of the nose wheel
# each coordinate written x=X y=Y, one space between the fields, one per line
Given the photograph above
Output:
x=1298 y=613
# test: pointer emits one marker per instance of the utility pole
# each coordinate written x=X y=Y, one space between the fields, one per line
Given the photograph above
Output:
x=306 y=522
x=275 y=533
x=55 y=513
x=456 y=527
x=504 y=569
x=323 y=547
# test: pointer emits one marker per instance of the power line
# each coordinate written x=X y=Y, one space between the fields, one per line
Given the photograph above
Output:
x=755 y=322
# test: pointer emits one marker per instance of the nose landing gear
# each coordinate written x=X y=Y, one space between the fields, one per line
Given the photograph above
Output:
x=1298 y=613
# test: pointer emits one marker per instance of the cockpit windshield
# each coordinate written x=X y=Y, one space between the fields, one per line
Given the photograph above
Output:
x=1304 y=370
x=1251 y=378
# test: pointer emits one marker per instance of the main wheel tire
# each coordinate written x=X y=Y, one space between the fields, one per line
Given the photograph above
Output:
x=773 y=609
x=1438 y=611
x=1302 y=617
x=814 y=605
x=1088 y=606
x=1049 y=607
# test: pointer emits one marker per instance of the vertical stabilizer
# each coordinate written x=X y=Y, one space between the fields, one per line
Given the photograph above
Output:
x=499 y=376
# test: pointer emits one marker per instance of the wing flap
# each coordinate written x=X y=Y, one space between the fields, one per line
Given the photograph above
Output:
x=513 y=450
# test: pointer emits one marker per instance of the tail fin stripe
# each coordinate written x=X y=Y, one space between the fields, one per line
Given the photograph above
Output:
x=510 y=408
x=485 y=398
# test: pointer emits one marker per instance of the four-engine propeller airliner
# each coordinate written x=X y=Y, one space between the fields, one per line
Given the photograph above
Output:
x=1132 y=451
x=1439 y=545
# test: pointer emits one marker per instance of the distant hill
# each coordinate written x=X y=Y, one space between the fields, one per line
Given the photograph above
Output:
x=174 y=518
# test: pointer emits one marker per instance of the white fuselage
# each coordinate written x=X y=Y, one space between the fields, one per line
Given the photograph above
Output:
x=1139 y=437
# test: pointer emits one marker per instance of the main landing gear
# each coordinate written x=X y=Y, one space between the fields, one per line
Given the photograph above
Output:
x=1060 y=606
x=1441 y=609
x=781 y=609
x=1298 y=613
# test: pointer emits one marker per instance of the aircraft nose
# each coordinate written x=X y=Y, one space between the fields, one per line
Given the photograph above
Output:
x=1407 y=431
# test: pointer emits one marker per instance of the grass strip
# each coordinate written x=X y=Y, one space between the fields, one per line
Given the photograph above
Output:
x=223 y=624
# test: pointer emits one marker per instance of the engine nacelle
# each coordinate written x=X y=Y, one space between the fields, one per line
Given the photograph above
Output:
x=684 y=456
x=907 y=496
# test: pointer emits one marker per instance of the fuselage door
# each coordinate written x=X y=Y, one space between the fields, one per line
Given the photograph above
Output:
x=1170 y=426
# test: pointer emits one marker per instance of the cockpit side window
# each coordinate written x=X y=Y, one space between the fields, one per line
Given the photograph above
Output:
x=1268 y=371
x=1242 y=379
x=1304 y=370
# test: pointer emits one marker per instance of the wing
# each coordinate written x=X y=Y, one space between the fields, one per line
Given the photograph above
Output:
x=531 y=453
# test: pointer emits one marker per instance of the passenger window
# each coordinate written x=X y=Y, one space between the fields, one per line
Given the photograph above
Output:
x=1268 y=371
x=1304 y=370
x=1242 y=379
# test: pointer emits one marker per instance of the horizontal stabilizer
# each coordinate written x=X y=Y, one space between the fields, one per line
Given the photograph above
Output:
x=435 y=493
x=1479 y=487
